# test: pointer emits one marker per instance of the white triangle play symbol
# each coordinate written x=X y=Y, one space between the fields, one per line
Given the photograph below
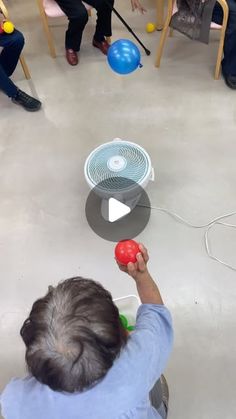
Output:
x=117 y=210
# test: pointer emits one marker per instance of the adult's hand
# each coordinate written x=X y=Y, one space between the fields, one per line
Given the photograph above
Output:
x=136 y=5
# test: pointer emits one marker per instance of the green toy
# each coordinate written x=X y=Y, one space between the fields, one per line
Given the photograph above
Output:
x=125 y=323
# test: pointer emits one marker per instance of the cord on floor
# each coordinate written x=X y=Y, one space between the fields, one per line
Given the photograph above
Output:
x=208 y=226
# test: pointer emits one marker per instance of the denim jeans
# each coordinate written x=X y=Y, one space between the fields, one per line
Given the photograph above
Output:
x=12 y=45
x=229 y=61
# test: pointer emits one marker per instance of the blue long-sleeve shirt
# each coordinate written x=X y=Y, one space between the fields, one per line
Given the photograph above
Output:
x=122 y=394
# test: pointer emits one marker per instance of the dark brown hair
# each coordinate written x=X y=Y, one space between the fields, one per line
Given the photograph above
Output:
x=72 y=335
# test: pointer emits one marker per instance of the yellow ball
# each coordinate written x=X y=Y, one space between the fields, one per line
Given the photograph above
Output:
x=8 y=26
x=150 y=27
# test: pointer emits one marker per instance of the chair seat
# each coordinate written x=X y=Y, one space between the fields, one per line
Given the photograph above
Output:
x=215 y=26
x=53 y=10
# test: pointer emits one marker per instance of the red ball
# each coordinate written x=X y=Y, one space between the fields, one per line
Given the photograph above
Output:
x=126 y=251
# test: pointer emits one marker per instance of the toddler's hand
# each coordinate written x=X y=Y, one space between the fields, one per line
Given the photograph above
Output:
x=140 y=267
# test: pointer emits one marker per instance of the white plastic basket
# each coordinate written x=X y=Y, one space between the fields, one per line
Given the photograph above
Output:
x=128 y=306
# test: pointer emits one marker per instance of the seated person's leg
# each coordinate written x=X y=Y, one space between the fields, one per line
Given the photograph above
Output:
x=229 y=61
x=103 y=27
x=78 y=17
x=6 y=85
x=12 y=46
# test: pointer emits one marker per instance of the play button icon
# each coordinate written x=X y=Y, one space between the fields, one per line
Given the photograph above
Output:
x=116 y=210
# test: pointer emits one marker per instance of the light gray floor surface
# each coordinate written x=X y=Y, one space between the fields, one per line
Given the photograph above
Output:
x=186 y=121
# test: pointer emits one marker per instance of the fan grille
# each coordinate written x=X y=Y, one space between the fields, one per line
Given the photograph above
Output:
x=133 y=165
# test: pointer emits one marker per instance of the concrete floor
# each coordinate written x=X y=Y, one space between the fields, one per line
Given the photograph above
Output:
x=186 y=121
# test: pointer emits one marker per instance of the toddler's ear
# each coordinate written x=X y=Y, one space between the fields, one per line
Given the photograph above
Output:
x=27 y=332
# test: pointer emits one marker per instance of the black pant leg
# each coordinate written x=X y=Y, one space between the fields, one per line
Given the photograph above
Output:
x=78 y=17
x=104 y=13
x=229 y=61
x=12 y=46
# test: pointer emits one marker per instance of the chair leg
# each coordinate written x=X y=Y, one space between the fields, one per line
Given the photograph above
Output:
x=164 y=34
x=218 y=62
x=222 y=39
x=4 y=10
x=161 y=46
x=160 y=14
x=47 y=30
x=25 y=68
x=49 y=37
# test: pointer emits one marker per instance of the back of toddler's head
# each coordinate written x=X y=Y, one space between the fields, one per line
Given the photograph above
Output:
x=72 y=335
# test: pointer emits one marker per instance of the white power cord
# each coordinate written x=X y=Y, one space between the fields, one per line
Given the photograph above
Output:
x=208 y=227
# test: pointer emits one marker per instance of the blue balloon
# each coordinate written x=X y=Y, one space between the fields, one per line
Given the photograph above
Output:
x=124 y=56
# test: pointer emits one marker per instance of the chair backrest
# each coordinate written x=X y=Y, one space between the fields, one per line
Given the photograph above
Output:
x=213 y=25
x=52 y=9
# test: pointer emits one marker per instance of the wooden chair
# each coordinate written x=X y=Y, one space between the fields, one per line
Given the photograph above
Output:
x=160 y=14
x=24 y=66
x=50 y=9
x=222 y=28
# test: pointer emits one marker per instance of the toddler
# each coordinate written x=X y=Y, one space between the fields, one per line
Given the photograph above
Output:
x=81 y=362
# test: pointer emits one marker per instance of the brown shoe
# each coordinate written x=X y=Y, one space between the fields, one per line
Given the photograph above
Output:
x=72 y=57
x=103 y=46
